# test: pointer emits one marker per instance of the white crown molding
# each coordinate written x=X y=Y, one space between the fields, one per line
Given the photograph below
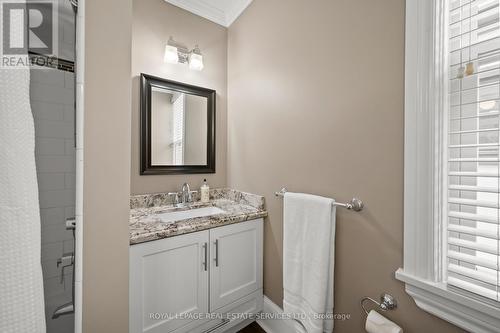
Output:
x=237 y=7
x=224 y=15
x=201 y=8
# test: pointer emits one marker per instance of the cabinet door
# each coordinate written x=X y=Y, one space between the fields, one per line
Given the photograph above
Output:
x=236 y=265
x=168 y=276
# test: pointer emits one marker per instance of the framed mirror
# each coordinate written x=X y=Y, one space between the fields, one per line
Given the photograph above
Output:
x=177 y=127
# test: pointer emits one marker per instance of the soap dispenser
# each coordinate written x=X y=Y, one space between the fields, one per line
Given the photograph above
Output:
x=204 y=192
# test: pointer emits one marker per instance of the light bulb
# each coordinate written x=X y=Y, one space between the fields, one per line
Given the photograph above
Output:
x=469 y=68
x=171 y=55
x=487 y=105
x=196 y=59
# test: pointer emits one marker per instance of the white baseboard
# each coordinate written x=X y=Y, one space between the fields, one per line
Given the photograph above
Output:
x=274 y=325
x=239 y=326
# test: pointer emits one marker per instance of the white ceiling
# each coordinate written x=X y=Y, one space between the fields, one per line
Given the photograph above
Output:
x=223 y=12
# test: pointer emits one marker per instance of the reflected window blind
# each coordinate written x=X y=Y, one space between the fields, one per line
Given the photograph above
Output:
x=473 y=153
x=178 y=131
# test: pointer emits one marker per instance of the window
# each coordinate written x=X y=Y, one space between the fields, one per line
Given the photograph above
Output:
x=452 y=175
x=178 y=130
x=473 y=147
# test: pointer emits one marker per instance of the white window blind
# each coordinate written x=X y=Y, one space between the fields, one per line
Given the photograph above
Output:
x=473 y=234
x=178 y=130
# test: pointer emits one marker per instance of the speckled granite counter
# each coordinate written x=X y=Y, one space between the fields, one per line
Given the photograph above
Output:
x=237 y=206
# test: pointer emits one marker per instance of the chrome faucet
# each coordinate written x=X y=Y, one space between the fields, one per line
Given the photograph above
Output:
x=186 y=196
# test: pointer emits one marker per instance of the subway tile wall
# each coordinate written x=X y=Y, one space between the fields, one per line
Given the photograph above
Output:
x=52 y=104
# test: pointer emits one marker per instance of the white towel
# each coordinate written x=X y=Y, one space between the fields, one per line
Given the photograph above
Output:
x=308 y=260
x=21 y=284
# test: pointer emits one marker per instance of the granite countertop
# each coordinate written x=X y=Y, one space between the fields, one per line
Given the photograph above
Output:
x=238 y=207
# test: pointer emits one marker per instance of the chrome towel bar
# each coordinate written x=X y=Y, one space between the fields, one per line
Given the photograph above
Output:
x=355 y=204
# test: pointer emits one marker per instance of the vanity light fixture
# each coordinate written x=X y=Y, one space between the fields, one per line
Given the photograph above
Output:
x=176 y=53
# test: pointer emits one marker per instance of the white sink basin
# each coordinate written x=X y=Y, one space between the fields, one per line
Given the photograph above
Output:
x=171 y=217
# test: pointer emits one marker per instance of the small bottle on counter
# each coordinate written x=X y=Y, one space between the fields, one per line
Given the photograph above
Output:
x=204 y=192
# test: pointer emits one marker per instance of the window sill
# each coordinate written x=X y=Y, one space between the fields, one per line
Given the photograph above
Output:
x=467 y=313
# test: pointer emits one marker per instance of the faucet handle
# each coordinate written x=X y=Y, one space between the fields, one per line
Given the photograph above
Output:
x=176 y=197
x=190 y=195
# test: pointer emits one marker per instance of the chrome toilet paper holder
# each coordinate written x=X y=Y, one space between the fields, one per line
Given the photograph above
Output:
x=387 y=302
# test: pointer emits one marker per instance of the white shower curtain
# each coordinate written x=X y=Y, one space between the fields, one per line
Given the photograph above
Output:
x=21 y=284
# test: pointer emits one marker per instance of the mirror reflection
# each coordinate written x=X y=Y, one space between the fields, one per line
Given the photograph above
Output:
x=179 y=123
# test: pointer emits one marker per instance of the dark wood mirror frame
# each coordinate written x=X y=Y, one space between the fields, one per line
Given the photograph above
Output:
x=147 y=82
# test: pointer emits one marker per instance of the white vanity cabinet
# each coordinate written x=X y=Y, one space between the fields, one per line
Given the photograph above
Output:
x=236 y=268
x=168 y=276
x=209 y=273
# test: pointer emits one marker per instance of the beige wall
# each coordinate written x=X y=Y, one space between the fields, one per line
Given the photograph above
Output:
x=154 y=21
x=107 y=165
x=315 y=100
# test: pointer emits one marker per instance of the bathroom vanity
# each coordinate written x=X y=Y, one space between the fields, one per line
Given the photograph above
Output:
x=196 y=268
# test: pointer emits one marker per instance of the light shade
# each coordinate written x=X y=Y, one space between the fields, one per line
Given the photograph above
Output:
x=171 y=55
x=196 y=61
x=487 y=105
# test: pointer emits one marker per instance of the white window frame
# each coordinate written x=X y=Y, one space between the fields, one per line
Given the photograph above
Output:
x=424 y=177
x=183 y=125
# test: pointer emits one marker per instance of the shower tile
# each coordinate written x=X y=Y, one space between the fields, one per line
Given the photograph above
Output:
x=52 y=251
x=55 y=233
x=69 y=114
x=69 y=181
x=68 y=246
x=47 y=110
x=52 y=99
x=69 y=147
x=51 y=93
x=50 y=270
x=66 y=51
x=67 y=31
x=50 y=146
x=55 y=164
x=52 y=215
x=69 y=80
x=51 y=181
x=53 y=288
x=57 y=198
x=69 y=212
x=62 y=324
x=68 y=283
x=54 y=129
x=47 y=76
